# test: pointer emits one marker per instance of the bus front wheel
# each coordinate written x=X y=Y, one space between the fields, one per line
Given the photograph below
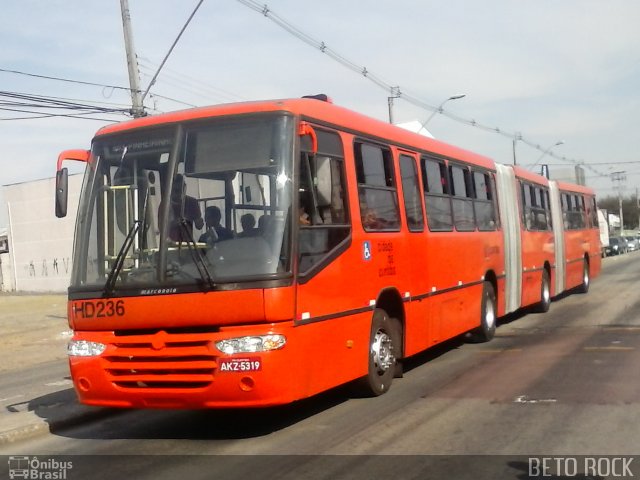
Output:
x=384 y=345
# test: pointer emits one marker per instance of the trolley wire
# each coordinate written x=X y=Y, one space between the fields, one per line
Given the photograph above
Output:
x=393 y=89
x=94 y=84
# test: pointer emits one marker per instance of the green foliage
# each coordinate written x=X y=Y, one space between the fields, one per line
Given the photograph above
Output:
x=630 y=210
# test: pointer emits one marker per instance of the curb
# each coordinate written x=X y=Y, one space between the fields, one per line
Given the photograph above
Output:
x=31 y=425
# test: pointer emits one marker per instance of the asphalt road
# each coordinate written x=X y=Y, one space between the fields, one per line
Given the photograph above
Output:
x=563 y=383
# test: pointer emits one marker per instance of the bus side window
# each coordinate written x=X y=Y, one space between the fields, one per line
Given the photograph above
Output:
x=541 y=209
x=411 y=194
x=483 y=204
x=566 y=206
x=462 y=199
x=581 y=216
x=527 y=203
x=322 y=197
x=593 y=213
x=436 y=195
x=376 y=188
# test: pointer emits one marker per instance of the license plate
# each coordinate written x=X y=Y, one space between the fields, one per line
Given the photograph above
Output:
x=249 y=364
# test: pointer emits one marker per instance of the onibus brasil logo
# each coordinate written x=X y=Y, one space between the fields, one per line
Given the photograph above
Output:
x=35 y=469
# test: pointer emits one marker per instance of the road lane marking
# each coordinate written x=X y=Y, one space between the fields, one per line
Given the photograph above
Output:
x=499 y=350
x=59 y=383
x=526 y=399
x=11 y=398
x=608 y=349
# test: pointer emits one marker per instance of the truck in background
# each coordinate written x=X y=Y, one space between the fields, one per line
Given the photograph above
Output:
x=604 y=230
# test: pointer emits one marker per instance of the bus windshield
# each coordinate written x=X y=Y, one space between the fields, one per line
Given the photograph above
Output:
x=187 y=205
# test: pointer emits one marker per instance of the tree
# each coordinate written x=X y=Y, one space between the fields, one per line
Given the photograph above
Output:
x=630 y=210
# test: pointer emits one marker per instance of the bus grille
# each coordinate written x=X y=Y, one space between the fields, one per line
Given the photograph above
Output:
x=161 y=361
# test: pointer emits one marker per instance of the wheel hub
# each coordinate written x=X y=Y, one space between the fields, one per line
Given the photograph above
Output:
x=382 y=350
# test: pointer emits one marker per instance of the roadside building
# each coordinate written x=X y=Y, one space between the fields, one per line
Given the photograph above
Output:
x=38 y=245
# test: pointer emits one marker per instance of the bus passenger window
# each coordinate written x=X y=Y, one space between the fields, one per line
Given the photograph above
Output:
x=322 y=211
x=436 y=195
x=483 y=204
x=376 y=188
x=411 y=193
x=463 y=217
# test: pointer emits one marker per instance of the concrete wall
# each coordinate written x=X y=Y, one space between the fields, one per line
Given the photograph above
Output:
x=40 y=244
x=6 y=273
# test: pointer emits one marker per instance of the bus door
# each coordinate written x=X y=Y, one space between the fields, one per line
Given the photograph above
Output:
x=422 y=332
x=325 y=278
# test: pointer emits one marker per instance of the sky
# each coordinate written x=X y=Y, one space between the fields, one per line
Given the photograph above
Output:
x=549 y=70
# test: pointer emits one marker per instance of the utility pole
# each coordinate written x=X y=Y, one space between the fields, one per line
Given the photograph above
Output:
x=619 y=177
x=517 y=136
x=137 y=108
x=395 y=93
x=638 y=207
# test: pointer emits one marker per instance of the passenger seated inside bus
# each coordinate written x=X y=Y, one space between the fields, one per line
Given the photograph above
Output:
x=248 y=222
x=370 y=220
x=182 y=207
x=215 y=231
x=266 y=225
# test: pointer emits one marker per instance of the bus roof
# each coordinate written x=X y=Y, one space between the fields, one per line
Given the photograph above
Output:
x=530 y=176
x=311 y=109
x=572 y=187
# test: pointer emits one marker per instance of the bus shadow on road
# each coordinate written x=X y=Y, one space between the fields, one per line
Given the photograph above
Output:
x=67 y=418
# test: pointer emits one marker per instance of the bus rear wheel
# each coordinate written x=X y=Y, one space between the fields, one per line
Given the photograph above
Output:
x=545 y=294
x=487 y=328
x=586 y=278
x=384 y=345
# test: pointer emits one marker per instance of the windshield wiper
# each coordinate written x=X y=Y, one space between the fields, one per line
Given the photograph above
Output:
x=196 y=255
x=117 y=265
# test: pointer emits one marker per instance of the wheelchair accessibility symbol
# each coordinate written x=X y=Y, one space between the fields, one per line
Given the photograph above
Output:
x=366 y=250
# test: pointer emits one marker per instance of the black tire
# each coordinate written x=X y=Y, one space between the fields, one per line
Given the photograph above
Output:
x=487 y=328
x=384 y=342
x=545 y=294
x=586 y=278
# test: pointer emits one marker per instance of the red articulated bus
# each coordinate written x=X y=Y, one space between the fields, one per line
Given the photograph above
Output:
x=255 y=254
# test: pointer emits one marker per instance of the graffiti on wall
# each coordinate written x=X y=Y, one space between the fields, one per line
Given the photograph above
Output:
x=48 y=267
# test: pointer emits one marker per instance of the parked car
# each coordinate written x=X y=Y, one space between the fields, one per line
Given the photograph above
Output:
x=632 y=243
x=617 y=246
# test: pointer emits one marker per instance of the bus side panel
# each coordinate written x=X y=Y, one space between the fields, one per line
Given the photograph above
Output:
x=420 y=324
x=335 y=352
x=457 y=266
x=581 y=244
x=575 y=248
x=537 y=249
x=330 y=320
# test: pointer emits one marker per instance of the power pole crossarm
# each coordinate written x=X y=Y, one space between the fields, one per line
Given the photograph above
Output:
x=137 y=108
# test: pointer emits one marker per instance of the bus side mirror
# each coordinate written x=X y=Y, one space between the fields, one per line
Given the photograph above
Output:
x=62 y=193
x=62 y=178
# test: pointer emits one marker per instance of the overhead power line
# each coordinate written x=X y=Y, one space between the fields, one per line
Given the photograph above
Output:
x=392 y=88
x=94 y=84
x=175 y=42
x=46 y=106
x=188 y=83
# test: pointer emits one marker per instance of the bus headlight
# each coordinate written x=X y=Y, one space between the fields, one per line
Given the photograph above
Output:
x=84 y=348
x=258 y=343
